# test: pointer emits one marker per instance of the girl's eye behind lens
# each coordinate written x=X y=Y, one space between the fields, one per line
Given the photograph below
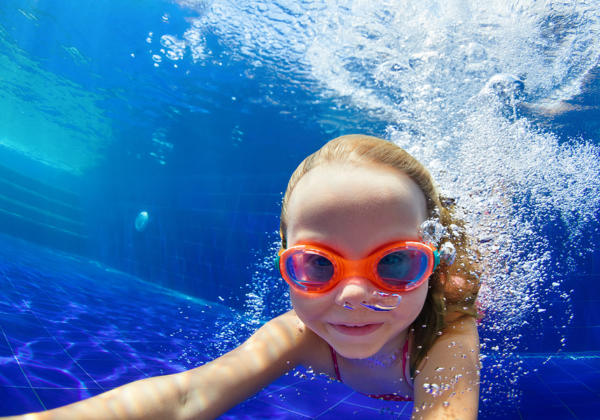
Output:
x=318 y=261
x=395 y=265
x=317 y=268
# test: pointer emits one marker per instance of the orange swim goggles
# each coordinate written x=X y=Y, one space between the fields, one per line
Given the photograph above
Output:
x=397 y=267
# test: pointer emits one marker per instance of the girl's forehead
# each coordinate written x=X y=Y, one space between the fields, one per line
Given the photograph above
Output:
x=357 y=186
x=349 y=203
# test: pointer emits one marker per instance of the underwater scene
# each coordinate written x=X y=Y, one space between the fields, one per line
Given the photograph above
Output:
x=145 y=148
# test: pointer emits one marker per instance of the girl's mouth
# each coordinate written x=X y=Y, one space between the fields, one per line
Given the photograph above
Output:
x=356 y=329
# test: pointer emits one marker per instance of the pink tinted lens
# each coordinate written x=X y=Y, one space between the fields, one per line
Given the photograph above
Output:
x=309 y=270
x=403 y=268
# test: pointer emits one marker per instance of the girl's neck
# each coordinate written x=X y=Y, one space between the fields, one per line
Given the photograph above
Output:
x=389 y=355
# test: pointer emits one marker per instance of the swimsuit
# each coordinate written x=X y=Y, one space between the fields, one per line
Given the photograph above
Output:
x=386 y=397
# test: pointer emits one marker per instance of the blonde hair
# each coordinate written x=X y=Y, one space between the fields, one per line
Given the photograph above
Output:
x=443 y=296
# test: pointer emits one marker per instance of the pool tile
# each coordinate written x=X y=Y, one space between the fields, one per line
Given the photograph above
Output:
x=11 y=373
x=554 y=376
x=350 y=411
x=593 y=362
x=258 y=409
x=329 y=389
x=88 y=350
x=507 y=413
x=48 y=376
x=576 y=387
x=303 y=401
x=5 y=350
x=38 y=348
x=545 y=411
x=15 y=401
x=58 y=397
x=118 y=376
x=582 y=398
x=571 y=365
x=21 y=328
x=585 y=409
x=591 y=380
x=286 y=380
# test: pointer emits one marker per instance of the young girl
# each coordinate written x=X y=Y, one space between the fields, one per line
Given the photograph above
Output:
x=374 y=305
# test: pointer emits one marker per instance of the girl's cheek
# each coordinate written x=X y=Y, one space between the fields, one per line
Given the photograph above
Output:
x=309 y=307
x=411 y=304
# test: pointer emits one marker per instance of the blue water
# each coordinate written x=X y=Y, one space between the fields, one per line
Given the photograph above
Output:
x=196 y=112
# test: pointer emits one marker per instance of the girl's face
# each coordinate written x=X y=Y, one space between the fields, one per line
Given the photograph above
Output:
x=353 y=210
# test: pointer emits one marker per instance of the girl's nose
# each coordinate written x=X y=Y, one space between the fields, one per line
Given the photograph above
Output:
x=353 y=291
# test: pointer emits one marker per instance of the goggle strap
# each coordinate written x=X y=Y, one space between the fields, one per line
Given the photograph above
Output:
x=277 y=266
x=436 y=259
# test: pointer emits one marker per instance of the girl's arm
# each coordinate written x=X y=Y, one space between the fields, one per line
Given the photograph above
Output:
x=447 y=386
x=204 y=392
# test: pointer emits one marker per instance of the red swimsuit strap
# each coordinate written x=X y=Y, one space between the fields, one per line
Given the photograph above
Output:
x=335 y=364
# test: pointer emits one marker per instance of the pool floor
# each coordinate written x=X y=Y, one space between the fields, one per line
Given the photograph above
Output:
x=71 y=329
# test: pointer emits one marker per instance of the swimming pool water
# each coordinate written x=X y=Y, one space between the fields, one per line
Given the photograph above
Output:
x=197 y=111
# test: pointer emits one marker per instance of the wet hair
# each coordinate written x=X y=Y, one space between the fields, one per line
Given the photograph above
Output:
x=451 y=288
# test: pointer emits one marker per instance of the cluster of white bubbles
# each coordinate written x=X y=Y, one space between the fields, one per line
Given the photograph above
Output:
x=450 y=78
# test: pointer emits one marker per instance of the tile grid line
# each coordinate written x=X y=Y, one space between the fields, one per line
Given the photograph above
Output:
x=304 y=415
x=404 y=406
x=21 y=368
x=71 y=357
x=63 y=347
x=577 y=381
x=574 y=378
x=556 y=396
x=75 y=361
x=285 y=408
x=335 y=405
x=8 y=279
x=535 y=374
x=101 y=342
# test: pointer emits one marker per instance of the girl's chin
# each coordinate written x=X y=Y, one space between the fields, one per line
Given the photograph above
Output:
x=352 y=352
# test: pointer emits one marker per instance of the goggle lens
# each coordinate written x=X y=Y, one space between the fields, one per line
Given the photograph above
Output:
x=402 y=268
x=309 y=270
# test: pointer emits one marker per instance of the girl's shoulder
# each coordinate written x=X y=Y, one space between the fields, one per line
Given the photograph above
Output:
x=306 y=347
